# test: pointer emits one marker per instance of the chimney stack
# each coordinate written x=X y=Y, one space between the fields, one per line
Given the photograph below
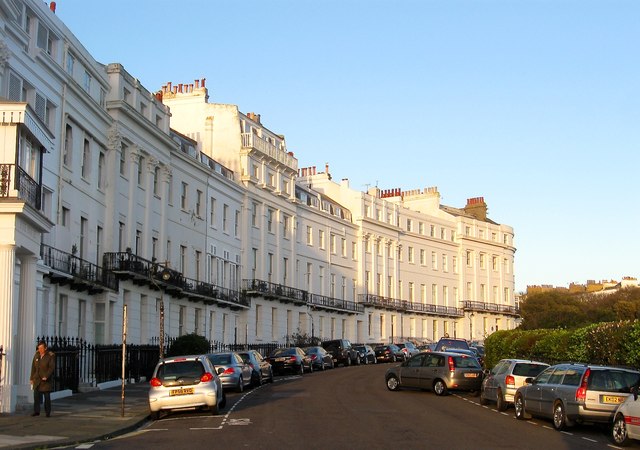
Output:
x=477 y=208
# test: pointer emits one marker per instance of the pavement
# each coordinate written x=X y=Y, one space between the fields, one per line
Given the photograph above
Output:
x=80 y=418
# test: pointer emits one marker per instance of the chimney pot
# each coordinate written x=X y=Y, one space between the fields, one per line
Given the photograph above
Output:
x=197 y=84
x=52 y=7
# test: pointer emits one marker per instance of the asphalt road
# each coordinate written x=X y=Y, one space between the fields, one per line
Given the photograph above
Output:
x=352 y=408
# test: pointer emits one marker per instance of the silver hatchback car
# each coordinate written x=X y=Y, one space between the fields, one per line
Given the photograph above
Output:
x=500 y=384
x=234 y=372
x=570 y=393
x=438 y=372
x=185 y=382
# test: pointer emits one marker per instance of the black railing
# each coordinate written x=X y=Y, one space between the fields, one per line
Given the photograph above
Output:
x=28 y=189
x=323 y=301
x=378 y=301
x=79 y=363
x=301 y=297
x=87 y=275
x=491 y=308
x=159 y=276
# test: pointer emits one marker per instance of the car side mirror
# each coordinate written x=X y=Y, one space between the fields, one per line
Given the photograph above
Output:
x=220 y=370
x=486 y=372
x=634 y=391
x=529 y=380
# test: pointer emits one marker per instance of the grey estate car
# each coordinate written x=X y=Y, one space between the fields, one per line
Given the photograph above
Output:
x=570 y=393
x=438 y=372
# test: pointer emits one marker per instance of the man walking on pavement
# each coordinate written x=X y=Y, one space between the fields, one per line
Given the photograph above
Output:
x=42 y=367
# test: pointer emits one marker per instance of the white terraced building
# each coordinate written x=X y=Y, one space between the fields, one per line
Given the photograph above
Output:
x=197 y=218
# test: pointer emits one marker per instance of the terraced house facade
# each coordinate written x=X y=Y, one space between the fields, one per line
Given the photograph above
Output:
x=197 y=218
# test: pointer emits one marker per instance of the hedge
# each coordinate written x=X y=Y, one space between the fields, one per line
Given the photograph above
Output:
x=608 y=343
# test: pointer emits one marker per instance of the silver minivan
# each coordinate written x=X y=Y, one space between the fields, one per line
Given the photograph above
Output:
x=570 y=393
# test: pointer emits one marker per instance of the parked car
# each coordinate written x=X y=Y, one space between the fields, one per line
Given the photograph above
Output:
x=500 y=384
x=439 y=372
x=342 y=352
x=626 y=425
x=427 y=347
x=367 y=354
x=408 y=348
x=233 y=371
x=389 y=353
x=570 y=393
x=185 y=382
x=261 y=369
x=320 y=358
x=290 y=359
x=445 y=343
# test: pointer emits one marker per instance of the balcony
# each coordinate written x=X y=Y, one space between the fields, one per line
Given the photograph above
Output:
x=491 y=308
x=141 y=271
x=77 y=273
x=391 y=304
x=256 y=143
x=17 y=184
x=286 y=294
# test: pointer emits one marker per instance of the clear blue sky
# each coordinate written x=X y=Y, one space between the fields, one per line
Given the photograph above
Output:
x=532 y=104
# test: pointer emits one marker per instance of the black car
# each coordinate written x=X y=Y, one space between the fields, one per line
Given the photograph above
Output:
x=262 y=370
x=342 y=352
x=367 y=354
x=290 y=359
x=389 y=353
x=320 y=358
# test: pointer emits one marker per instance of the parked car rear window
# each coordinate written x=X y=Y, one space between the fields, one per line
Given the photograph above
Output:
x=444 y=344
x=220 y=360
x=466 y=362
x=180 y=370
x=283 y=351
x=528 y=369
x=612 y=380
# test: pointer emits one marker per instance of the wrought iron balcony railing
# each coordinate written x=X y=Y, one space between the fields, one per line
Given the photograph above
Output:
x=16 y=183
x=491 y=308
x=76 y=272
x=378 y=301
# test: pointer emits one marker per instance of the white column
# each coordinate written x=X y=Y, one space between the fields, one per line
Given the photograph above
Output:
x=27 y=332
x=7 y=329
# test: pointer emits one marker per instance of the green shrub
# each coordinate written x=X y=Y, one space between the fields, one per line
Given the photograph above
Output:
x=189 y=344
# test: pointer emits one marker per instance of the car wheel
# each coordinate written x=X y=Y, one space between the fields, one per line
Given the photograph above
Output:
x=501 y=404
x=440 y=388
x=518 y=403
x=333 y=366
x=301 y=369
x=358 y=360
x=270 y=376
x=619 y=431
x=366 y=360
x=560 y=421
x=393 y=358
x=214 y=409
x=240 y=386
x=392 y=383
x=348 y=361
x=155 y=415
x=323 y=367
x=310 y=368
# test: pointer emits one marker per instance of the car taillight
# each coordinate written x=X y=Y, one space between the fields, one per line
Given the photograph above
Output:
x=510 y=381
x=155 y=382
x=205 y=378
x=452 y=365
x=314 y=357
x=581 y=392
x=251 y=365
x=386 y=352
x=293 y=358
x=229 y=371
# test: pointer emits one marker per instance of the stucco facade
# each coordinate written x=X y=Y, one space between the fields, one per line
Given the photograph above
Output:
x=196 y=217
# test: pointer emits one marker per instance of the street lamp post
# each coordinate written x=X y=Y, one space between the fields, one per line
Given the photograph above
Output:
x=165 y=275
x=470 y=326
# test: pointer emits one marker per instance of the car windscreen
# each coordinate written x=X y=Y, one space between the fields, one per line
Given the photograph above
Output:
x=444 y=344
x=528 y=369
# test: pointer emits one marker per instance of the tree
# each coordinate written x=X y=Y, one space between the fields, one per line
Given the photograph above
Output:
x=189 y=344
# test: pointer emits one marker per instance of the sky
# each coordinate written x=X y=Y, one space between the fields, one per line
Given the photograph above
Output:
x=532 y=104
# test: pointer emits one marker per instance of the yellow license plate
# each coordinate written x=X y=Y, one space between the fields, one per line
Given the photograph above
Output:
x=471 y=375
x=185 y=391
x=613 y=399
